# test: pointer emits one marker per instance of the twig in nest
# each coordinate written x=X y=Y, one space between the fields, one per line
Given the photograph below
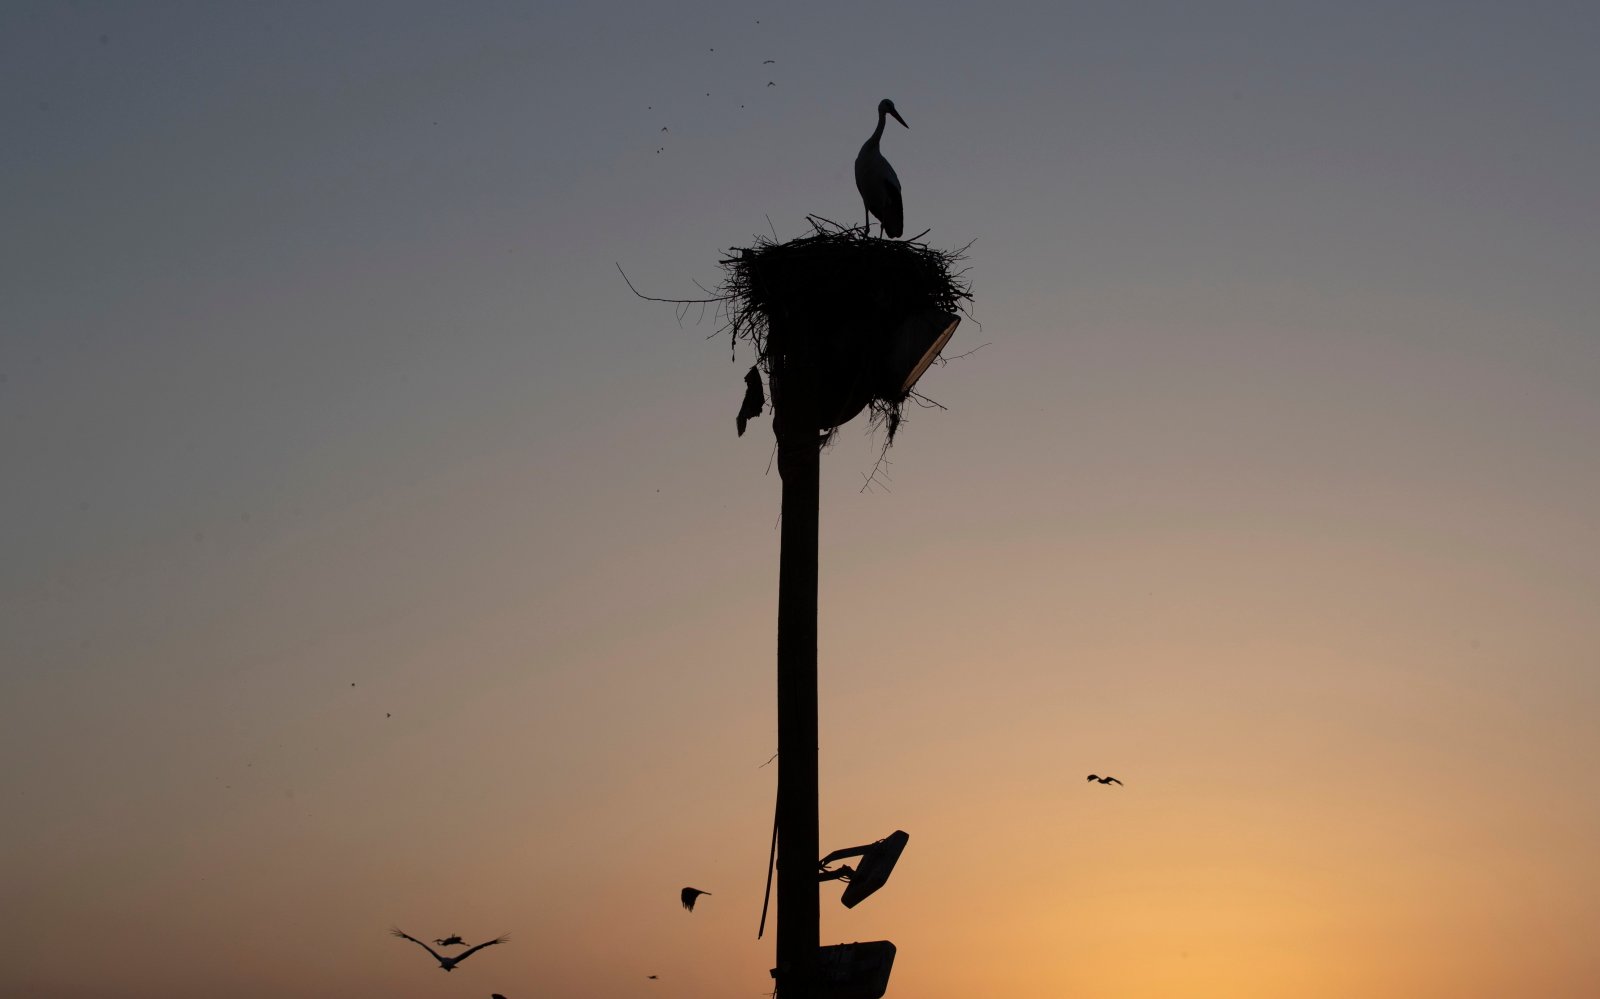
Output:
x=679 y=301
x=879 y=475
x=947 y=360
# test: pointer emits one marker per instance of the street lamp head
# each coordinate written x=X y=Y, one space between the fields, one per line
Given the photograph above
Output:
x=916 y=345
x=877 y=861
x=863 y=362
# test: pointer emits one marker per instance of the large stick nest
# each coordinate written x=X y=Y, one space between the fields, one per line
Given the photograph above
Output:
x=847 y=291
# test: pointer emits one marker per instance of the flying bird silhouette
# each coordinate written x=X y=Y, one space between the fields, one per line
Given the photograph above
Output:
x=768 y=62
x=689 y=895
x=447 y=963
x=451 y=941
x=876 y=180
x=1104 y=780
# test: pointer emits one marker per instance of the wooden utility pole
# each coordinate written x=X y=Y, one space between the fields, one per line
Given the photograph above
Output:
x=839 y=322
x=794 y=406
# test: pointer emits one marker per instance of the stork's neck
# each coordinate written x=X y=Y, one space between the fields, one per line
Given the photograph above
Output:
x=877 y=133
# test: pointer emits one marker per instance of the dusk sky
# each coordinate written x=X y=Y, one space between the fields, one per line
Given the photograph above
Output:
x=371 y=556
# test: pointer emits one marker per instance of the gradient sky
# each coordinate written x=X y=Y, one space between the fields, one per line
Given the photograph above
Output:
x=370 y=556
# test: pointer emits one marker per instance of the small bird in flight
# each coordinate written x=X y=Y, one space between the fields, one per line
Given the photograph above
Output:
x=447 y=963
x=689 y=895
x=1104 y=780
x=451 y=941
x=768 y=62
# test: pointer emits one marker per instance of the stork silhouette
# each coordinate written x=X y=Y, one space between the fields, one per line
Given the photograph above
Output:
x=451 y=941
x=1104 y=780
x=447 y=963
x=876 y=179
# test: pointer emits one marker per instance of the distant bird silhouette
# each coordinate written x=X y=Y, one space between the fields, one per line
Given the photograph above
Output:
x=1104 y=780
x=876 y=180
x=768 y=62
x=652 y=976
x=447 y=963
x=496 y=995
x=689 y=895
x=451 y=941
x=771 y=83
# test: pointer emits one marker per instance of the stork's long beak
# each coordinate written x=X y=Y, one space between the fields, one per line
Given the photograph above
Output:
x=897 y=117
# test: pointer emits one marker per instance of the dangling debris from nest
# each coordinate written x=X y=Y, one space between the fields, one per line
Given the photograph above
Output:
x=871 y=315
x=754 y=399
